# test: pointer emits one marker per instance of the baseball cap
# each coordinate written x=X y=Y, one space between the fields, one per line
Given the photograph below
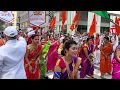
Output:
x=10 y=31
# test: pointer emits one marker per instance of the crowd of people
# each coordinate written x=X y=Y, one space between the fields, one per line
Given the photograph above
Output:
x=34 y=56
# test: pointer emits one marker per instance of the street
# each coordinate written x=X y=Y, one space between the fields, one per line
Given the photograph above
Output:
x=97 y=73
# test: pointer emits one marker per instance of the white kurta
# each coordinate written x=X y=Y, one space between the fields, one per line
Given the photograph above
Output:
x=115 y=44
x=12 y=59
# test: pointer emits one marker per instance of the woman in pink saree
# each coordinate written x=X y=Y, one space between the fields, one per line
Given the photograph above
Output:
x=52 y=56
x=116 y=63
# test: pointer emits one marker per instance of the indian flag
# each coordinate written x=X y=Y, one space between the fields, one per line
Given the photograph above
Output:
x=103 y=14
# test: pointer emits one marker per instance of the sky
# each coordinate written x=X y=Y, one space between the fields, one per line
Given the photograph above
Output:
x=115 y=12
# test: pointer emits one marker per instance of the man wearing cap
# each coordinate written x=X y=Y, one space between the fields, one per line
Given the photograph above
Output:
x=12 y=55
x=30 y=33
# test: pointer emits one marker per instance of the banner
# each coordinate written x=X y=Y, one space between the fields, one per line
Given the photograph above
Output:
x=112 y=29
x=6 y=16
x=112 y=25
x=36 y=18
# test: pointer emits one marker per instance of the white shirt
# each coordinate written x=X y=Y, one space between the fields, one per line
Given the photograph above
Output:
x=76 y=39
x=114 y=42
x=101 y=41
x=12 y=60
x=61 y=39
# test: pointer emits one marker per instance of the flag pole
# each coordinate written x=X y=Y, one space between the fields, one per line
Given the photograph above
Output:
x=114 y=22
x=106 y=17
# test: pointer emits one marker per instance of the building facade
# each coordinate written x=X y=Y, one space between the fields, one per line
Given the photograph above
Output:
x=22 y=20
x=84 y=24
x=14 y=23
x=86 y=18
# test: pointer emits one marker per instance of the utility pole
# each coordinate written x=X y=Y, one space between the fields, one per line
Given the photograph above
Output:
x=19 y=23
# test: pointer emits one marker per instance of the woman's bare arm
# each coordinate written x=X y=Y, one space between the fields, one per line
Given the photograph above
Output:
x=86 y=52
x=118 y=54
x=77 y=67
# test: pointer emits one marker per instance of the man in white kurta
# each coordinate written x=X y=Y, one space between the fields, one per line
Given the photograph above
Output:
x=97 y=50
x=114 y=41
x=12 y=56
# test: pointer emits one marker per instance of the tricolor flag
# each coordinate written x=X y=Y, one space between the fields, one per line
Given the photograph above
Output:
x=103 y=14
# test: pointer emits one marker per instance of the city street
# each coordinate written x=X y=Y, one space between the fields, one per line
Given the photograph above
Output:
x=56 y=44
x=97 y=73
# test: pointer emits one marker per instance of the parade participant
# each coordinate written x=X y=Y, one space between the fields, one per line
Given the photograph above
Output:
x=67 y=66
x=12 y=55
x=116 y=63
x=114 y=41
x=61 y=45
x=76 y=38
x=46 y=38
x=106 y=34
x=43 y=58
x=32 y=58
x=42 y=64
x=43 y=42
x=96 y=49
x=80 y=43
x=87 y=67
x=61 y=38
x=2 y=42
x=105 y=57
x=29 y=39
x=101 y=40
x=51 y=56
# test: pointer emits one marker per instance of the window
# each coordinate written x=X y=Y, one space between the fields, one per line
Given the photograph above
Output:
x=84 y=15
x=82 y=28
x=102 y=29
x=65 y=29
